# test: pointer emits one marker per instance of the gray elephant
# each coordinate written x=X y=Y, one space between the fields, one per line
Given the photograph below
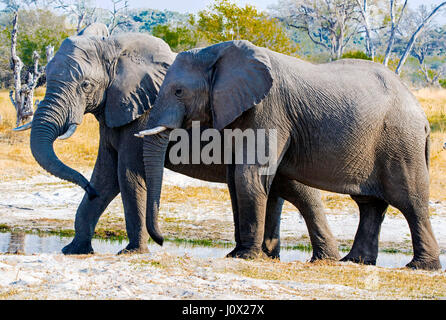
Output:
x=117 y=78
x=349 y=126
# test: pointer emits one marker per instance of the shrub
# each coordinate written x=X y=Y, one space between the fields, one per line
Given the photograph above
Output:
x=356 y=55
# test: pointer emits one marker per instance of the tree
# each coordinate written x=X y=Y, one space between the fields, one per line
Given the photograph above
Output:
x=394 y=25
x=427 y=19
x=82 y=11
x=330 y=24
x=147 y=19
x=364 y=10
x=118 y=15
x=432 y=47
x=224 y=21
x=179 y=38
x=39 y=29
x=24 y=94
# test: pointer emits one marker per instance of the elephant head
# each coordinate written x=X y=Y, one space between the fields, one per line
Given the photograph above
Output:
x=213 y=85
x=116 y=78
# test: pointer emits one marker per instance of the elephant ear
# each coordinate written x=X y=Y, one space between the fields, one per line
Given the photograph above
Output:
x=138 y=74
x=241 y=79
x=95 y=29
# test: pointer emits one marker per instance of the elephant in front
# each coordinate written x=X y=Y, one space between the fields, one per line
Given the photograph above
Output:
x=349 y=126
x=117 y=79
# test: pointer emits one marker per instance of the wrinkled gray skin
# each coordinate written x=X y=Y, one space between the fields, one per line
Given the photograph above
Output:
x=348 y=126
x=117 y=79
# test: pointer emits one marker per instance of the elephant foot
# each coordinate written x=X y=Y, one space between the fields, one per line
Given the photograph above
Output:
x=424 y=264
x=134 y=249
x=325 y=255
x=247 y=253
x=360 y=259
x=272 y=253
x=76 y=247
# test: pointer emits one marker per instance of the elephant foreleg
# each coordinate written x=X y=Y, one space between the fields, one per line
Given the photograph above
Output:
x=104 y=178
x=308 y=201
x=133 y=192
x=271 y=237
x=251 y=200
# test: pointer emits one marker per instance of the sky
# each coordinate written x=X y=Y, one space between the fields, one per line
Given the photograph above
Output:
x=192 y=6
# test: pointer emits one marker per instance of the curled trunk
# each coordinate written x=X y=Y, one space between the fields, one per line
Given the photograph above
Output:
x=155 y=147
x=47 y=126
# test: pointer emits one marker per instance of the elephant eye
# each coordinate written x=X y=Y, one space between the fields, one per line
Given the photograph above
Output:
x=179 y=92
x=86 y=86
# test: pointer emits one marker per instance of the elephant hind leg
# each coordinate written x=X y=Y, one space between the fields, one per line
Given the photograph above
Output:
x=425 y=246
x=410 y=194
x=371 y=216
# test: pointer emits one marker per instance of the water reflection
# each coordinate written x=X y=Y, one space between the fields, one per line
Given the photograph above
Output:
x=21 y=243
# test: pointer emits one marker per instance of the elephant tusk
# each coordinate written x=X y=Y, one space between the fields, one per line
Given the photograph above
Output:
x=24 y=127
x=69 y=132
x=150 y=132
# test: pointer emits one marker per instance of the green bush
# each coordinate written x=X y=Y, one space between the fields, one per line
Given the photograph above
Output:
x=356 y=55
x=442 y=83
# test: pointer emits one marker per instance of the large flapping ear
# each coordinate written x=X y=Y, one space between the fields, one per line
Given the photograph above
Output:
x=95 y=29
x=138 y=73
x=241 y=79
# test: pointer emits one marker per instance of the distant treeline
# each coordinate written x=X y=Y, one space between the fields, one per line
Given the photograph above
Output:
x=408 y=41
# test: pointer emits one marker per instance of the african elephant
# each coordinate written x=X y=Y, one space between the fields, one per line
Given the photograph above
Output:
x=116 y=78
x=348 y=126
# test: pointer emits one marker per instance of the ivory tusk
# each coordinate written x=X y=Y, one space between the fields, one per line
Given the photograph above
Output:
x=69 y=132
x=150 y=132
x=24 y=127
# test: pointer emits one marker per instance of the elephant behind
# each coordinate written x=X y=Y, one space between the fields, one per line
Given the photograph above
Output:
x=349 y=126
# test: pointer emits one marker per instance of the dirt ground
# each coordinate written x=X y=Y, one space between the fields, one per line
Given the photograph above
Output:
x=46 y=204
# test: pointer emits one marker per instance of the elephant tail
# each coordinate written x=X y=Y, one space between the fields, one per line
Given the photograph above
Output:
x=427 y=147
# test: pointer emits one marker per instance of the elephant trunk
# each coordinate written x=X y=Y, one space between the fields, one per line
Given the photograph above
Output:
x=47 y=126
x=155 y=147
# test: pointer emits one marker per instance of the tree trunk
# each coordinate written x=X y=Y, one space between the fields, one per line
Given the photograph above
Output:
x=370 y=48
x=415 y=36
x=393 y=29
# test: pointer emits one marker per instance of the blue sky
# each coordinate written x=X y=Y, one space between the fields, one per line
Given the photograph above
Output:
x=193 y=6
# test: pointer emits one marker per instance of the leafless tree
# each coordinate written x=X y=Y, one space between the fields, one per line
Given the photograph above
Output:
x=23 y=94
x=425 y=22
x=432 y=44
x=363 y=9
x=330 y=24
x=81 y=10
x=118 y=15
x=394 y=24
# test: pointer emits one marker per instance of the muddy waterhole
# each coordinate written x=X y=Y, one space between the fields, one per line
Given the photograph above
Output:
x=31 y=244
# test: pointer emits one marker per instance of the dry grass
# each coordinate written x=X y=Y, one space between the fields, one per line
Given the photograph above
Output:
x=15 y=155
x=177 y=195
x=80 y=151
x=434 y=104
x=382 y=282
